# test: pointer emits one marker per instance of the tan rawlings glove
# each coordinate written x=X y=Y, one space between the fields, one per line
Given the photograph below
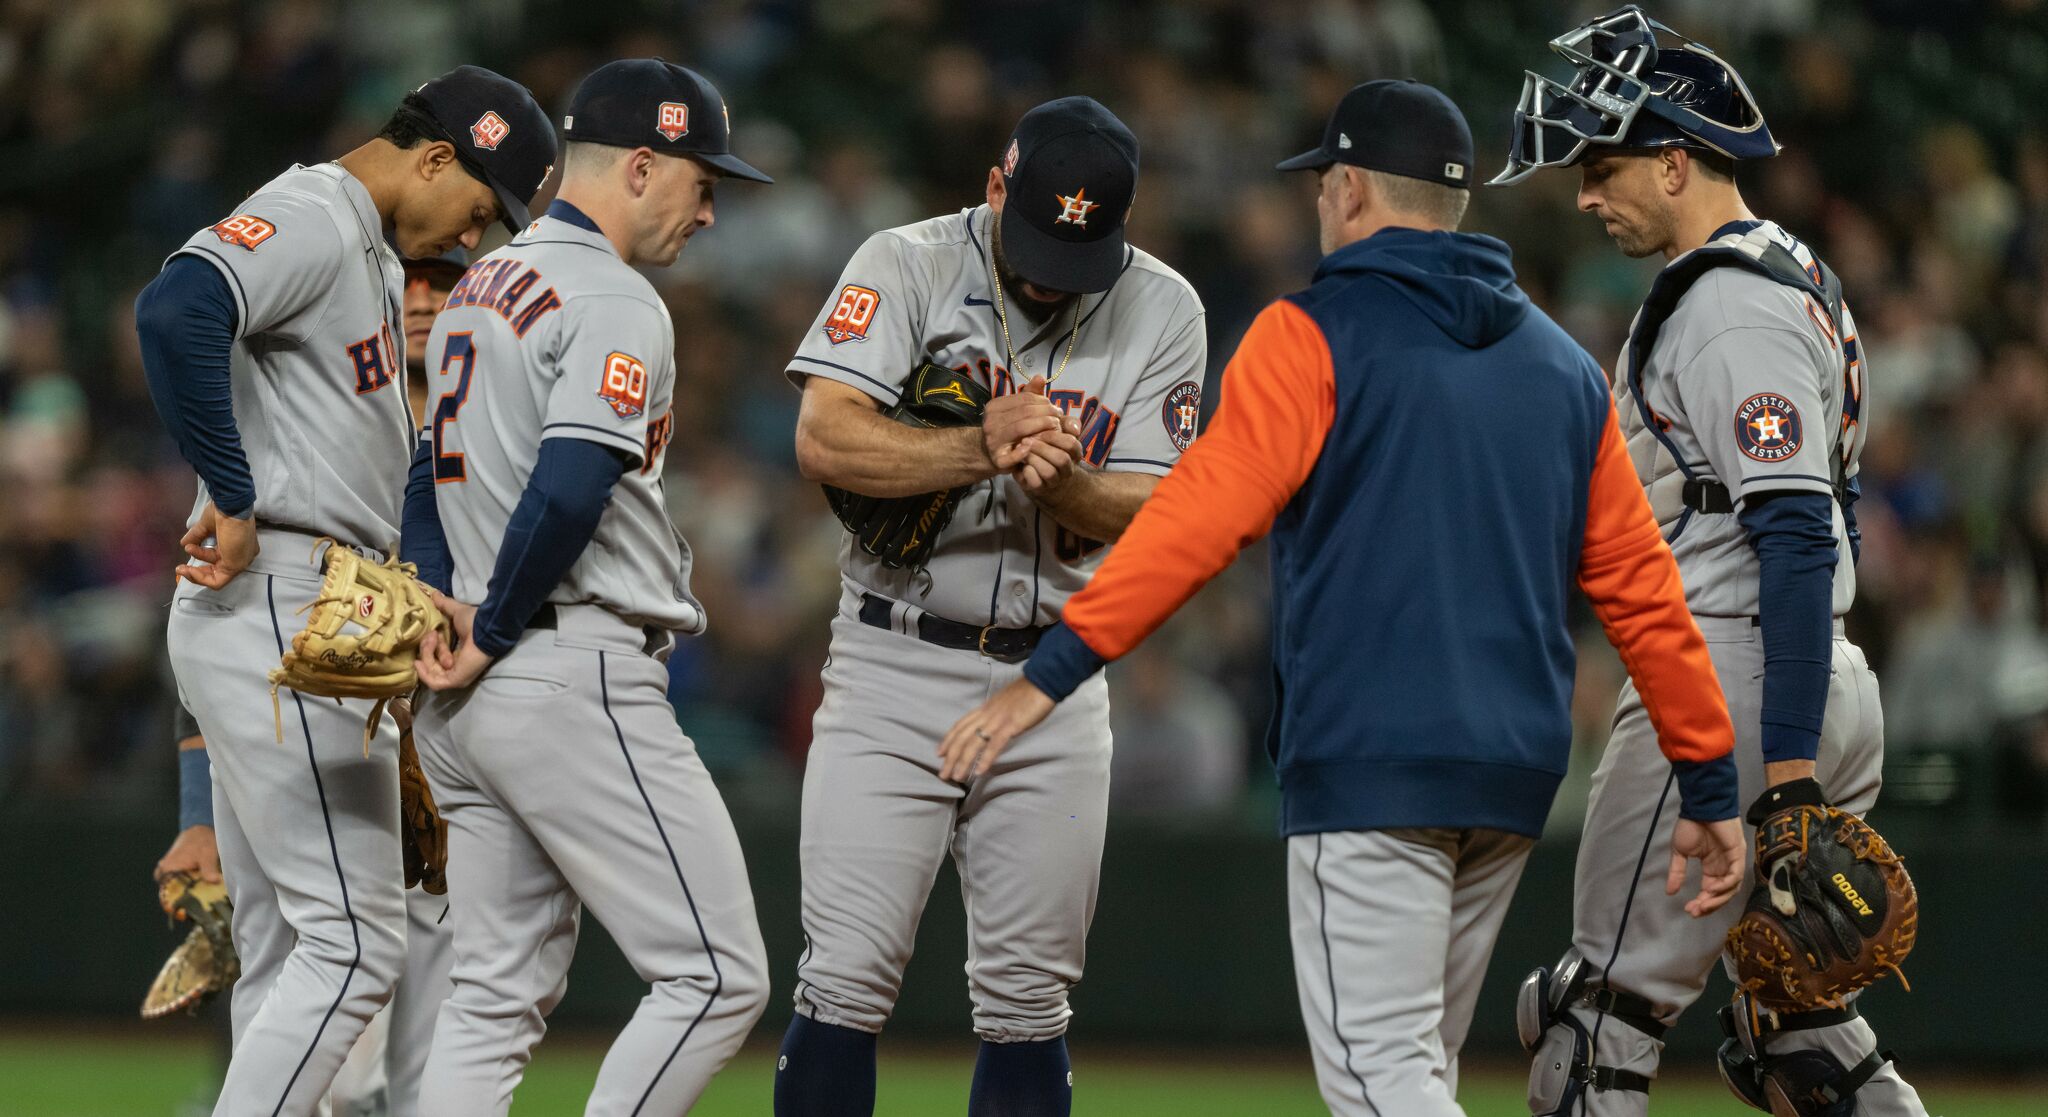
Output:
x=1833 y=908
x=362 y=636
x=425 y=835
x=205 y=963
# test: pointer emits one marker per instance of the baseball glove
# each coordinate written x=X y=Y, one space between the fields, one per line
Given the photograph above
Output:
x=205 y=963
x=426 y=832
x=1833 y=910
x=902 y=530
x=363 y=635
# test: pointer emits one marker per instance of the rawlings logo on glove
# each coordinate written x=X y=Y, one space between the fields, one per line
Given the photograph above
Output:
x=362 y=636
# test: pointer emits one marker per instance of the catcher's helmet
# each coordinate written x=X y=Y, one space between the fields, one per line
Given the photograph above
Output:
x=1630 y=91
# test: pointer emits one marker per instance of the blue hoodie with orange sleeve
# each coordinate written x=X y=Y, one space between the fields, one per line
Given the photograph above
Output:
x=1437 y=464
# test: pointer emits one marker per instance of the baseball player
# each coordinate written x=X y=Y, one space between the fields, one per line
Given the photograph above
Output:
x=549 y=739
x=269 y=347
x=1741 y=392
x=1093 y=353
x=1423 y=664
x=382 y=1073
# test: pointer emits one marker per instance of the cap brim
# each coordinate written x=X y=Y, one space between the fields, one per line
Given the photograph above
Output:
x=1314 y=159
x=733 y=166
x=1072 y=267
x=511 y=210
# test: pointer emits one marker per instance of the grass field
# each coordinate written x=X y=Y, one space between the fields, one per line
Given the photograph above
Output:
x=92 y=1075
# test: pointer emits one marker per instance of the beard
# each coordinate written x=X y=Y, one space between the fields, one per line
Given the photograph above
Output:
x=1038 y=313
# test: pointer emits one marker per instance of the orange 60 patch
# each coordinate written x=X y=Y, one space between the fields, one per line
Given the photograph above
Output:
x=672 y=120
x=245 y=229
x=850 y=318
x=624 y=386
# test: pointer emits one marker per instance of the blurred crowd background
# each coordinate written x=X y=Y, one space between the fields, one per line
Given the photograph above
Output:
x=1916 y=161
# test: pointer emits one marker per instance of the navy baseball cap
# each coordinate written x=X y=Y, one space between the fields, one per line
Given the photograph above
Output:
x=1070 y=172
x=455 y=261
x=646 y=102
x=499 y=133
x=1404 y=128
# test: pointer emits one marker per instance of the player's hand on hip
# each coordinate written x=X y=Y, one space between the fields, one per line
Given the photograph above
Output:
x=974 y=742
x=1010 y=419
x=1719 y=849
x=234 y=547
x=442 y=667
x=192 y=852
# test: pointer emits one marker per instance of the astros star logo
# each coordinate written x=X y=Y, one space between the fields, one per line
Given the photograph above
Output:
x=1074 y=210
x=1767 y=427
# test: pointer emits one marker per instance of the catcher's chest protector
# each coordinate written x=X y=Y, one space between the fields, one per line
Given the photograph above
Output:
x=1657 y=460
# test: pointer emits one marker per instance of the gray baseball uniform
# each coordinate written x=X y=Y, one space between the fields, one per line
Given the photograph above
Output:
x=877 y=819
x=1752 y=386
x=562 y=773
x=381 y=1077
x=308 y=830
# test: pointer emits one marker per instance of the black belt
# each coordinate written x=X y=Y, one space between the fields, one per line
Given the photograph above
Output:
x=653 y=639
x=1006 y=644
x=1708 y=496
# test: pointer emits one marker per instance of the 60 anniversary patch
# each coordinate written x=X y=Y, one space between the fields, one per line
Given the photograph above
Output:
x=1767 y=427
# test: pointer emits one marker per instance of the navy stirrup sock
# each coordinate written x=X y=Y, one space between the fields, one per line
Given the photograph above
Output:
x=826 y=1070
x=1032 y=1079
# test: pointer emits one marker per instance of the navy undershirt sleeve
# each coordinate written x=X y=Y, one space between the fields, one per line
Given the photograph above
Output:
x=1061 y=662
x=1794 y=537
x=186 y=322
x=554 y=521
x=422 y=542
x=1851 y=493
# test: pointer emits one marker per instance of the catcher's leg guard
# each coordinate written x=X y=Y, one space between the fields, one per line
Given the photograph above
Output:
x=1563 y=1069
x=1801 y=1083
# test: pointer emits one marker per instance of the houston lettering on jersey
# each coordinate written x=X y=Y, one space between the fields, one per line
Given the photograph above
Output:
x=373 y=357
x=1098 y=423
x=491 y=284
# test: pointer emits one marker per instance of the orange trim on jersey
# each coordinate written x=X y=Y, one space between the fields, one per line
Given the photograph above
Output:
x=1278 y=399
x=1627 y=572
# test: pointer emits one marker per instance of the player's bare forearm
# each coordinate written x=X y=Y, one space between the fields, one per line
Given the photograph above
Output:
x=843 y=439
x=1096 y=504
x=1785 y=771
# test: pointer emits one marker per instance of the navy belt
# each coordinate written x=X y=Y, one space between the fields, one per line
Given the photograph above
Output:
x=652 y=638
x=1006 y=644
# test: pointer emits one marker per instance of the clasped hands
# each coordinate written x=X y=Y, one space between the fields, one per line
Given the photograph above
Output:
x=1026 y=436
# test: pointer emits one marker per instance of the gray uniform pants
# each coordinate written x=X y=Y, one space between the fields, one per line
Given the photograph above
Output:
x=877 y=819
x=382 y=1075
x=1392 y=930
x=564 y=778
x=1640 y=939
x=308 y=836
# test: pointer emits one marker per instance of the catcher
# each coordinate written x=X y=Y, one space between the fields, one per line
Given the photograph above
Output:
x=989 y=397
x=1742 y=393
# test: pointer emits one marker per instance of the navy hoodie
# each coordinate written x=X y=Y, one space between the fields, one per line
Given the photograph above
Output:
x=1437 y=464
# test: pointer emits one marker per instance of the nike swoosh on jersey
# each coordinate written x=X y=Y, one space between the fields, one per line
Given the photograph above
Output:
x=972 y=301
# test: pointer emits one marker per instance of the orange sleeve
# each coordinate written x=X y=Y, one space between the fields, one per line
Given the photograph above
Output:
x=1279 y=397
x=1626 y=570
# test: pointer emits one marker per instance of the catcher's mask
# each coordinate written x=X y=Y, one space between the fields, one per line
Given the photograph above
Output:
x=1631 y=91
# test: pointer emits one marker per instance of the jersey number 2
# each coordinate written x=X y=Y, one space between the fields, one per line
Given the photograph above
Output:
x=448 y=464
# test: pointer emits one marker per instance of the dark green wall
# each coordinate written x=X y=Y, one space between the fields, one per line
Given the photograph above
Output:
x=1190 y=942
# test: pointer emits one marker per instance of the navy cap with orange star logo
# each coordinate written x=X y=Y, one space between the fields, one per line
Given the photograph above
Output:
x=1070 y=172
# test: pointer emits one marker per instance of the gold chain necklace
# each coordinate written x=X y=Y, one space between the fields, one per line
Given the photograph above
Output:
x=1003 y=318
